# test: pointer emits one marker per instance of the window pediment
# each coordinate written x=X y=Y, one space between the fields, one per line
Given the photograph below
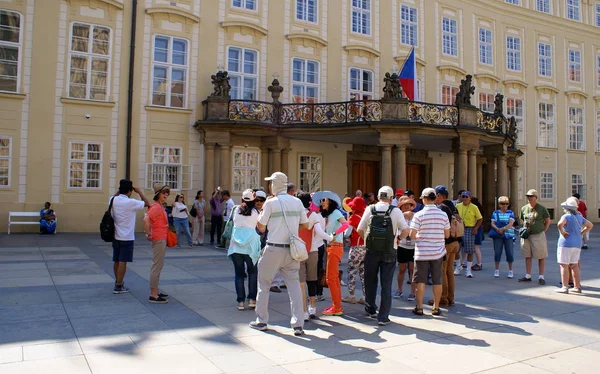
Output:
x=489 y=76
x=244 y=24
x=306 y=36
x=117 y=4
x=170 y=10
x=576 y=92
x=453 y=68
x=516 y=82
x=546 y=87
x=362 y=48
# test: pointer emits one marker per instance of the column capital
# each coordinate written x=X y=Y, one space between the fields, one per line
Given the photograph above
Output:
x=210 y=146
x=393 y=137
x=286 y=150
x=386 y=147
x=512 y=162
x=495 y=150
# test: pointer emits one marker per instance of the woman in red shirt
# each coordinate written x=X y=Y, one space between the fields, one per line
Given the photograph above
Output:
x=356 y=257
x=156 y=225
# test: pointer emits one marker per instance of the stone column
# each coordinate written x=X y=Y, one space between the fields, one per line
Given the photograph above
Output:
x=386 y=165
x=209 y=173
x=502 y=176
x=226 y=169
x=399 y=172
x=479 y=193
x=285 y=153
x=275 y=159
x=472 y=172
x=264 y=166
x=489 y=187
x=461 y=170
x=514 y=181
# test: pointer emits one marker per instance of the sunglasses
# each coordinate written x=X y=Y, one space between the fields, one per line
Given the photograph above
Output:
x=463 y=196
x=323 y=200
x=261 y=200
x=529 y=196
x=503 y=203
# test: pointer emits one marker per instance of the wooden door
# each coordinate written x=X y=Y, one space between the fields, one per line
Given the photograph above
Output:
x=415 y=178
x=364 y=176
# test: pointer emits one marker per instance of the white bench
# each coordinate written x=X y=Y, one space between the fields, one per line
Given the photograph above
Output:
x=12 y=215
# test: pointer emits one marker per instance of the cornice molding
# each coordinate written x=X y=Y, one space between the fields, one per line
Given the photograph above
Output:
x=169 y=10
x=361 y=47
x=246 y=24
x=302 y=35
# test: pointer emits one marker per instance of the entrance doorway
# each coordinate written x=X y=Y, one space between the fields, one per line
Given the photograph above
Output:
x=415 y=178
x=364 y=176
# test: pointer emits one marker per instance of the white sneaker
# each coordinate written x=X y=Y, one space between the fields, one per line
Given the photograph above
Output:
x=312 y=312
x=458 y=270
x=562 y=290
x=496 y=273
x=510 y=274
x=343 y=284
x=306 y=318
x=469 y=274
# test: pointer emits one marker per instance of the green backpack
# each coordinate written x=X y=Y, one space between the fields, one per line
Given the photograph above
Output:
x=380 y=233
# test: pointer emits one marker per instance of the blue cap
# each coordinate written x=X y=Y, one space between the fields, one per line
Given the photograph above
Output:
x=465 y=193
x=442 y=190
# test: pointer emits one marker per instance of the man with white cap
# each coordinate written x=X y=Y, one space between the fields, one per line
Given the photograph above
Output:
x=281 y=215
x=536 y=219
x=380 y=258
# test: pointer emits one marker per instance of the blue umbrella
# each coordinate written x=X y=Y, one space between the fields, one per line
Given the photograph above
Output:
x=317 y=196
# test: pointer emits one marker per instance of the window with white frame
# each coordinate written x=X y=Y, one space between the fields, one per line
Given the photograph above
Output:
x=305 y=77
x=598 y=14
x=546 y=126
x=361 y=16
x=449 y=37
x=578 y=185
x=514 y=108
x=598 y=131
x=576 y=132
x=513 y=53
x=89 y=62
x=485 y=46
x=306 y=10
x=543 y=6
x=167 y=168
x=418 y=93
x=408 y=25
x=10 y=47
x=85 y=165
x=449 y=94
x=486 y=102
x=169 y=71
x=309 y=172
x=5 y=160
x=361 y=84
x=245 y=169
x=245 y=4
x=515 y=2
x=598 y=70
x=544 y=60
x=242 y=66
x=573 y=9
x=574 y=65
x=546 y=186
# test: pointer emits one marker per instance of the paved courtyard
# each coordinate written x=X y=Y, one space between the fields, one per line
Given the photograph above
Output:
x=58 y=315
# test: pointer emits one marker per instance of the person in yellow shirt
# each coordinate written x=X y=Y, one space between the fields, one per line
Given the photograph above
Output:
x=472 y=219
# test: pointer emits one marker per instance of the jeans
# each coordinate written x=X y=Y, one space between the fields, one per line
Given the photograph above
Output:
x=509 y=247
x=375 y=266
x=216 y=224
x=182 y=224
x=241 y=264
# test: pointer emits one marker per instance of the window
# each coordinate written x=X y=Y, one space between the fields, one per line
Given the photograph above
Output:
x=10 y=46
x=361 y=16
x=169 y=72
x=574 y=65
x=598 y=70
x=514 y=107
x=449 y=37
x=515 y=2
x=546 y=125
x=544 y=60
x=485 y=46
x=305 y=76
x=486 y=102
x=245 y=170
x=576 y=129
x=543 y=6
x=242 y=65
x=166 y=168
x=547 y=186
x=408 y=25
x=598 y=14
x=89 y=62
x=245 y=4
x=513 y=53
x=85 y=165
x=5 y=161
x=310 y=173
x=577 y=185
x=418 y=93
x=598 y=131
x=306 y=10
x=361 y=84
x=449 y=94
x=573 y=10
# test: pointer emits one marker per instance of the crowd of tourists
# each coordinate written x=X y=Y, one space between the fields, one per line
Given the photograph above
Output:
x=297 y=239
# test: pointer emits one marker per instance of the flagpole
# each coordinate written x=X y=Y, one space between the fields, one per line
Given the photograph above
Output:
x=406 y=59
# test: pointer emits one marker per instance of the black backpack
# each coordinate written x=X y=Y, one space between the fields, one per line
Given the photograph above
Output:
x=107 y=225
x=380 y=233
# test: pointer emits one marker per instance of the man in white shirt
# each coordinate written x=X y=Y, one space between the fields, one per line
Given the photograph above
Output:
x=380 y=259
x=282 y=214
x=124 y=210
x=229 y=204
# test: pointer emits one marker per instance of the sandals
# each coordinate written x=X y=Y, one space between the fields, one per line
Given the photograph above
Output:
x=349 y=299
x=436 y=312
x=418 y=311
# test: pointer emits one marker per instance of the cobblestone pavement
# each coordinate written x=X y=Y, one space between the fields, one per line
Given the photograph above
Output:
x=58 y=315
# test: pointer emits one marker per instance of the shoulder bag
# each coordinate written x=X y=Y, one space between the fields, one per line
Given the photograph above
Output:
x=107 y=225
x=226 y=235
x=493 y=233
x=297 y=245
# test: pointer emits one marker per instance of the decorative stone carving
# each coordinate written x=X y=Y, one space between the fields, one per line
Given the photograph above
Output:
x=512 y=129
x=221 y=83
x=392 y=88
x=466 y=90
x=499 y=105
x=275 y=89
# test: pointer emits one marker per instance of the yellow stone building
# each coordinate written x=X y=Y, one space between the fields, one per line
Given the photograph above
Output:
x=79 y=111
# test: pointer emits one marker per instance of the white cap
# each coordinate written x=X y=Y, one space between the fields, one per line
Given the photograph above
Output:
x=278 y=177
x=385 y=192
x=428 y=192
x=248 y=195
x=571 y=203
x=260 y=193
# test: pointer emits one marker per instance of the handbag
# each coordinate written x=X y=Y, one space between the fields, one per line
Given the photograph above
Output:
x=171 y=239
x=228 y=229
x=193 y=211
x=297 y=245
x=524 y=232
x=493 y=233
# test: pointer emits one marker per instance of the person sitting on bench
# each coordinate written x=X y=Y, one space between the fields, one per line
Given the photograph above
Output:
x=47 y=219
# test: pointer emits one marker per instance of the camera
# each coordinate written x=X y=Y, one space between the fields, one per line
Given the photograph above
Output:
x=88 y=116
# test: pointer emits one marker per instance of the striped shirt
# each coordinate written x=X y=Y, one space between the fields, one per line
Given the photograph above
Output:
x=430 y=224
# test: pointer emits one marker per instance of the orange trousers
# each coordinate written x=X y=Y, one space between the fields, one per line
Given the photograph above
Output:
x=335 y=251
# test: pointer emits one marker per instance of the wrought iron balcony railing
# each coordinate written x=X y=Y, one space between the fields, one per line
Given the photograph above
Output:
x=433 y=114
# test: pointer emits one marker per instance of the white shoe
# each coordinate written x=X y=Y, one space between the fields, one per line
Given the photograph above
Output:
x=306 y=318
x=469 y=274
x=343 y=284
x=496 y=273
x=562 y=290
x=510 y=274
x=458 y=270
x=312 y=312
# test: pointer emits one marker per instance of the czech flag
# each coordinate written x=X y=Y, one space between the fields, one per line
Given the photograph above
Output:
x=408 y=76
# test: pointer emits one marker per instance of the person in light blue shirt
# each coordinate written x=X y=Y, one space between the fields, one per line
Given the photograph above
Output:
x=503 y=220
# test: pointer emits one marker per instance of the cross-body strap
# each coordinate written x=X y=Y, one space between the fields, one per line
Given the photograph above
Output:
x=110 y=205
x=285 y=218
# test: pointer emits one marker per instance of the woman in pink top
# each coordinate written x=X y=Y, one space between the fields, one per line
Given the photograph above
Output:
x=156 y=225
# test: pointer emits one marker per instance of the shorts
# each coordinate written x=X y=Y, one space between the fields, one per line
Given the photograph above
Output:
x=535 y=246
x=567 y=255
x=308 y=268
x=122 y=250
x=479 y=237
x=422 y=269
x=468 y=241
x=405 y=255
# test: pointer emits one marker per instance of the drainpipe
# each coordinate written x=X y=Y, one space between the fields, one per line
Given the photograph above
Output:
x=130 y=89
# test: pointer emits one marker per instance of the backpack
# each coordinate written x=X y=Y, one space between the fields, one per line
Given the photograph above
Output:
x=193 y=211
x=380 y=233
x=107 y=225
x=457 y=226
